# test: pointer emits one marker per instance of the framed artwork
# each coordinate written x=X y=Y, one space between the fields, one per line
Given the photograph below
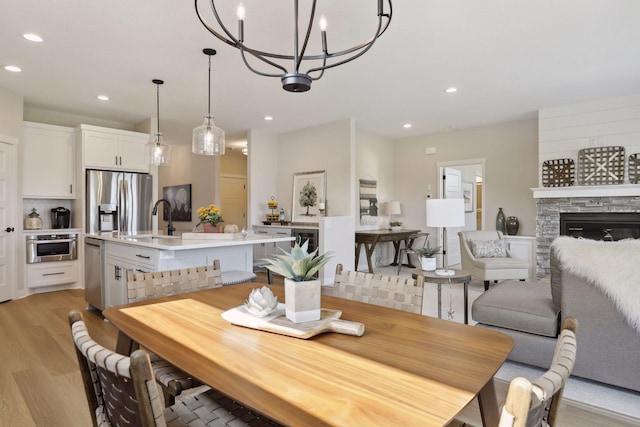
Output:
x=180 y=198
x=368 y=197
x=309 y=190
x=467 y=195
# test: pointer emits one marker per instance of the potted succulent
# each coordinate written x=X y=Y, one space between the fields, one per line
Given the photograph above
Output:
x=302 y=291
x=395 y=225
x=427 y=258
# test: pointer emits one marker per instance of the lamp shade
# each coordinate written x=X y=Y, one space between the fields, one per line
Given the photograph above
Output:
x=445 y=212
x=393 y=208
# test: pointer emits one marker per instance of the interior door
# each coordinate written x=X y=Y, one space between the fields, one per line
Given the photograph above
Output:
x=233 y=200
x=452 y=189
x=8 y=244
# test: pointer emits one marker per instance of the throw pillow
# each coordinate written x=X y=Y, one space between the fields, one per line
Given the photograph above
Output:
x=488 y=248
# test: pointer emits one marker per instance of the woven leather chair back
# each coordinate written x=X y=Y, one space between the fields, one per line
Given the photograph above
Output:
x=388 y=291
x=536 y=404
x=143 y=286
x=120 y=390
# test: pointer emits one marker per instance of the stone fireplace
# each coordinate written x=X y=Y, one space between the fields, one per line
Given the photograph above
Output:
x=552 y=202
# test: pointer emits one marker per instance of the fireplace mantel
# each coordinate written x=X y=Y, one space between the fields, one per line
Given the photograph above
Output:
x=587 y=191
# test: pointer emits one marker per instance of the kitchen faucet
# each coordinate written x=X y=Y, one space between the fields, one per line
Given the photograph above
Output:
x=170 y=227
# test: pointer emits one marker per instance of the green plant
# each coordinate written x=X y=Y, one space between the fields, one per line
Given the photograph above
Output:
x=210 y=214
x=298 y=265
x=395 y=224
x=428 y=251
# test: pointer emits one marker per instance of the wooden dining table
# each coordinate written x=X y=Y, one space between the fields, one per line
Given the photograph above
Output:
x=406 y=370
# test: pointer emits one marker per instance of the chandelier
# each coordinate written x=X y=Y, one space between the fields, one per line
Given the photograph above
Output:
x=293 y=78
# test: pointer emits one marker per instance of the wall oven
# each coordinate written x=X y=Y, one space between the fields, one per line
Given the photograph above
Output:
x=51 y=247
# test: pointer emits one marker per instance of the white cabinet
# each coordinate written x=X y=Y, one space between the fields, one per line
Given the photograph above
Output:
x=48 y=166
x=524 y=248
x=264 y=250
x=113 y=149
x=118 y=259
x=52 y=273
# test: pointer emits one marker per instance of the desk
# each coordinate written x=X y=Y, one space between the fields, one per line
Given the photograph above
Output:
x=460 y=276
x=406 y=370
x=370 y=238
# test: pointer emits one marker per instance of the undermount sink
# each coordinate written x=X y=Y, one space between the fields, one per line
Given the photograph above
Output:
x=149 y=237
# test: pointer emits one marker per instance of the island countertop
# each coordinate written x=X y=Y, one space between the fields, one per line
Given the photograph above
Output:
x=186 y=242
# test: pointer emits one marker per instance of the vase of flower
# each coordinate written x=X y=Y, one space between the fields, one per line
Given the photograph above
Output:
x=207 y=227
x=210 y=218
x=302 y=291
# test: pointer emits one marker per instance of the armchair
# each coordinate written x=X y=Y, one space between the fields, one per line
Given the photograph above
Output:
x=490 y=260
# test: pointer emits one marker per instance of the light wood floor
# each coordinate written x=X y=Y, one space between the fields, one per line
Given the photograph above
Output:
x=40 y=382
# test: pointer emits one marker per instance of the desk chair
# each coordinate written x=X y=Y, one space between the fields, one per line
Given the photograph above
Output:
x=122 y=390
x=387 y=291
x=410 y=251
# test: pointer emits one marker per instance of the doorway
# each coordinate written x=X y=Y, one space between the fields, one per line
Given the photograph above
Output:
x=233 y=198
x=465 y=179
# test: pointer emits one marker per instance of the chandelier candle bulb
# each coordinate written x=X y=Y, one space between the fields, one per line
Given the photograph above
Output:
x=241 y=14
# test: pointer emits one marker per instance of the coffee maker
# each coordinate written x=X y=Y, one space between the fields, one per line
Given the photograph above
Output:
x=60 y=217
x=108 y=217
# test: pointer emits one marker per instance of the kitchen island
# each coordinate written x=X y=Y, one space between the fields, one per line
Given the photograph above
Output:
x=152 y=252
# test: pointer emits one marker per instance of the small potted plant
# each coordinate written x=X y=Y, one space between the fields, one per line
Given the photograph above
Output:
x=427 y=258
x=302 y=291
x=210 y=217
x=395 y=225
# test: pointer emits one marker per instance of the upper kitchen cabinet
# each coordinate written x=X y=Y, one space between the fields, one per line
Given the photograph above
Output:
x=48 y=161
x=113 y=149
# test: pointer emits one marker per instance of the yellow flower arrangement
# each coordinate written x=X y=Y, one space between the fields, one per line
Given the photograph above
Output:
x=210 y=214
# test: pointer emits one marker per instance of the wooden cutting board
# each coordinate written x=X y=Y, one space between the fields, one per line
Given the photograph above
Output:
x=278 y=323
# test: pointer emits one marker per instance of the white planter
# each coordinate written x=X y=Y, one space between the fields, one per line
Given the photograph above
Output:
x=396 y=228
x=302 y=300
x=428 y=264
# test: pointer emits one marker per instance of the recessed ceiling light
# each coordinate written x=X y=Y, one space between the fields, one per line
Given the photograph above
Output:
x=13 y=68
x=103 y=97
x=268 y=118
x=33 y=38
x=407 y=125
x=451 y=90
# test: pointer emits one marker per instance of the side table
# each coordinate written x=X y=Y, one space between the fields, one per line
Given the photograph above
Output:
x=460 y=276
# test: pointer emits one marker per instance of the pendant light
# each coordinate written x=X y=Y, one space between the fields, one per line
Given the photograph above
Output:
x=208 y=139
x=159 y=153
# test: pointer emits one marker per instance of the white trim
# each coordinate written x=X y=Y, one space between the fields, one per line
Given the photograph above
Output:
x=9 y=139
x=587 y=191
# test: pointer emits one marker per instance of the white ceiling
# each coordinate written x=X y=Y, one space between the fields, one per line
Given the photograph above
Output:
x=508 y=58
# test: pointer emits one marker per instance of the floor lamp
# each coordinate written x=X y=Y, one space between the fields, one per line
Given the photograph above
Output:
x=445 y=213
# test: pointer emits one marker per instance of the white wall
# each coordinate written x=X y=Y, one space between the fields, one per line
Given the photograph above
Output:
x=510 y=151
x=262 y=177
x=326 y=147
x=565 y=130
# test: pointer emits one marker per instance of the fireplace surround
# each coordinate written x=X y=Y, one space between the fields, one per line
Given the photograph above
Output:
x=550 y=209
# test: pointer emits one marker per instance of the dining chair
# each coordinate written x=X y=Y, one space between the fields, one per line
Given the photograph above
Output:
x=388 y=291
x=142 y=286
x=122 y=390
x=536 y=403
x=410 y=251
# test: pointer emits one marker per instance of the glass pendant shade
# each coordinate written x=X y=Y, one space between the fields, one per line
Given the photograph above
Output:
x=208 y=139
x=158 y=152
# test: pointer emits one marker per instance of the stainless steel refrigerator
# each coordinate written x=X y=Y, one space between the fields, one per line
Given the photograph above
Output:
x=118 y=201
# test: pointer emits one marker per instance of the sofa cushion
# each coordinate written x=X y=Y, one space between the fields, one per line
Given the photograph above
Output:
x=488 y=248
x=521 y=306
